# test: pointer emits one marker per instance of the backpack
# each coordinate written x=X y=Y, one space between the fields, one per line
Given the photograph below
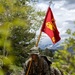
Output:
x=46 y=59
x=53 y=71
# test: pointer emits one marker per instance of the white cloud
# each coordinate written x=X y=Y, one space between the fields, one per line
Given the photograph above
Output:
x=42 y=6
x=58 y=4
x=69 y=4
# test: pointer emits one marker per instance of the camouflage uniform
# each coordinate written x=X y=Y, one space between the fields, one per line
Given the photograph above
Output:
x=38 y=68
x=41 y=67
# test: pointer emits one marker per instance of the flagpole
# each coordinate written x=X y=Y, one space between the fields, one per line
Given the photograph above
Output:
x=50 y=2
x=38 y=38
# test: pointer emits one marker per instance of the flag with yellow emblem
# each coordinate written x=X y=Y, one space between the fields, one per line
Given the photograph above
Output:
x=49 y=26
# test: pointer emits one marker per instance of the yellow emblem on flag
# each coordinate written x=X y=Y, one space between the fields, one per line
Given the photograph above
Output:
x=53 y=39
x=50 y=25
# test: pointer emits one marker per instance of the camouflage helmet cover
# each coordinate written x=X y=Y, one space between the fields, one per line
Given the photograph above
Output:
x=34 y=50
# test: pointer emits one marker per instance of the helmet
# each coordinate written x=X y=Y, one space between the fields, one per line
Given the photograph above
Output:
x=34 y=50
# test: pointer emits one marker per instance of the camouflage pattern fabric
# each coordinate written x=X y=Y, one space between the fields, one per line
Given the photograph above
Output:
x=39 y=68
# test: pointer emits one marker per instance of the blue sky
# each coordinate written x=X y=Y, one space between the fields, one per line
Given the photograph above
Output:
x=64 y=13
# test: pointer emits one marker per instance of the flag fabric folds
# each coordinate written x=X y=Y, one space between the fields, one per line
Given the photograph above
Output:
x=49 y=27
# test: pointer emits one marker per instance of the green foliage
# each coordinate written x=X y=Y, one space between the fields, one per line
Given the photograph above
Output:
x=64 y=59
x=14 y=14
x=68 y=31
x=20 y=39
x=17 y=22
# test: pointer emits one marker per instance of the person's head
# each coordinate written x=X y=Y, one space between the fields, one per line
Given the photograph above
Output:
x=34 y=53
x=34 y=56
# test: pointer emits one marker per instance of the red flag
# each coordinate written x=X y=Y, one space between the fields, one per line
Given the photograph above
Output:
x=49 y=26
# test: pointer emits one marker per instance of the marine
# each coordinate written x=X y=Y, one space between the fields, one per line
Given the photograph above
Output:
x=36 y=65
x=39 y=65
